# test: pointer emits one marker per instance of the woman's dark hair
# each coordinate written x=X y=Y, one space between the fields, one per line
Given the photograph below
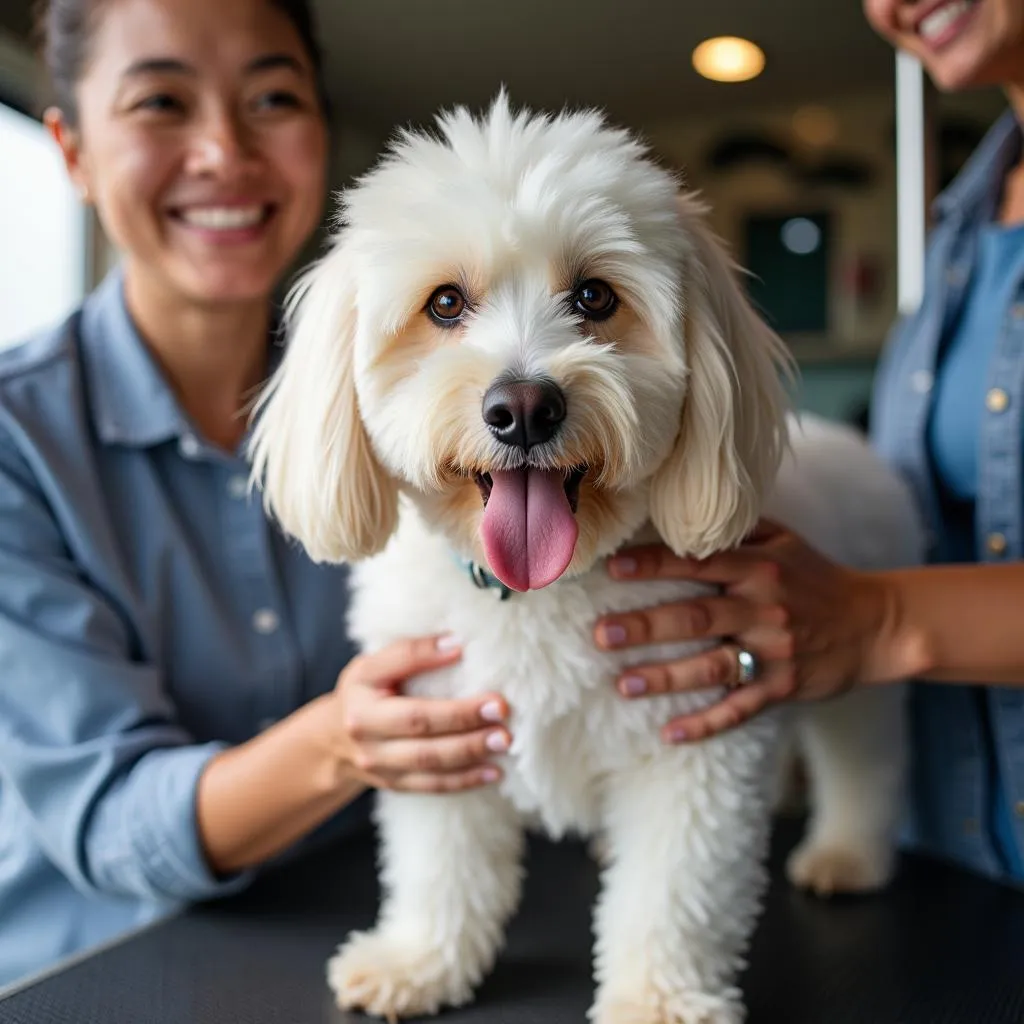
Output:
x=65 y=30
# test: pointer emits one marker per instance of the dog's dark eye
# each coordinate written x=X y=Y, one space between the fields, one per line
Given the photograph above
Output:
x=595 y=299
x=447 y=304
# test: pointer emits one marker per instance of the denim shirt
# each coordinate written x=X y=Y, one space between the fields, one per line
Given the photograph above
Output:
x=968 y=740
x=150 y=616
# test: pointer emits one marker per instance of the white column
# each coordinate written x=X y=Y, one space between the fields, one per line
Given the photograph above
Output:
x=911 y=181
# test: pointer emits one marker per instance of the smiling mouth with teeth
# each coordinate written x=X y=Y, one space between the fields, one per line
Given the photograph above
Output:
x=945 y=21
x=224 y=218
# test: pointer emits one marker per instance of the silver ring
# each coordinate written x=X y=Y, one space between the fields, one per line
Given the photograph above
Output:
x=748 y=667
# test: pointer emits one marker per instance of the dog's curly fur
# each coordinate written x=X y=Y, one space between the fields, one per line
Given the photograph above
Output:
x=367 y=444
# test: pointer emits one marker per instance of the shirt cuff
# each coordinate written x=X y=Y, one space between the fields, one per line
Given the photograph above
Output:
x=161 y=817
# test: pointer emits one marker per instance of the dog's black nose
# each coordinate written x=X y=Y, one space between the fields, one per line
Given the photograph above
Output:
x=524 y=413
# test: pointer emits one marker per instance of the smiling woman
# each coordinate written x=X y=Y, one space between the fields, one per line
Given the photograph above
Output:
x=203 y=154
x=178 y=698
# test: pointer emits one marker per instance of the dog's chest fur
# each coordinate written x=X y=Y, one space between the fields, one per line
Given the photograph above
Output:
x=570 y=726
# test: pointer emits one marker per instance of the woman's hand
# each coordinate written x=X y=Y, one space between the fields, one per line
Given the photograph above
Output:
x=419 y=744
x=812 y=626
x=256 y=799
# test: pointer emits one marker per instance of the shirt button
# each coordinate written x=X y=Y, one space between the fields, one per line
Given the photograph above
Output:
x=997 y=400
x=921 y=381
x=970 y=826
x=238 y=486
x=1018 y=311
x=265 y=621
x=955 y=274
x=1019 y=808
x=996 y=543
x=188 y=446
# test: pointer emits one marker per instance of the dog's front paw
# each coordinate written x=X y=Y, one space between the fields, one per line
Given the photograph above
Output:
x=391 y=978
x=829 y=869
x=687 y=1008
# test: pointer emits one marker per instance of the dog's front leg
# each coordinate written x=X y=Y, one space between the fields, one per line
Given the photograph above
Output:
x=687 y=834
x=451 y=873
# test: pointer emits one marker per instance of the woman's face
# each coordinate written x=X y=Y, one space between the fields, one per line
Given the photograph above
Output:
x=201 y=142
x=961 y=43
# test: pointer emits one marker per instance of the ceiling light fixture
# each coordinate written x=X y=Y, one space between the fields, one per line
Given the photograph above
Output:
x=728 y=59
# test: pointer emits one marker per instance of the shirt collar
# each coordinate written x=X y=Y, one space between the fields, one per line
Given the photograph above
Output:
x=980 y=180
x=132 y=403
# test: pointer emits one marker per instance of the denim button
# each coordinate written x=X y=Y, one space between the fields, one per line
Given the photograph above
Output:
x=238 y=486
x=189 y=446
x=266 y=621
x=997 y=400
x=921 y=381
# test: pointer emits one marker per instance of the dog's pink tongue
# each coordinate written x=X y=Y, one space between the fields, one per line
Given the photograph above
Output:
x=528 y=529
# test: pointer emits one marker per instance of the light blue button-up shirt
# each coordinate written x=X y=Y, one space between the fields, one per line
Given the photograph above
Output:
x=967 y=786
x=150 y=616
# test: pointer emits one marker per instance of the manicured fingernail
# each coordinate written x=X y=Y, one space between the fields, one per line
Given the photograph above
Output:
x=633 y=686
x=490 y=774
x=497 y=741
x=623 y=565
x=614 y=635
x=492 y=711
x=675 y=734
x=447 y=643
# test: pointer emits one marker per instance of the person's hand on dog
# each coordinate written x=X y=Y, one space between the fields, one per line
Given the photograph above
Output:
x=417 y=744
x=811 y=625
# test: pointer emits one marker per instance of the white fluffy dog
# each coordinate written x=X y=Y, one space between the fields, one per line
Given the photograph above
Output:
x=523 y=350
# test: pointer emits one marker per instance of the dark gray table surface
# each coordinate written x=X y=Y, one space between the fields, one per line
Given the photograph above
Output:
x=940 y=947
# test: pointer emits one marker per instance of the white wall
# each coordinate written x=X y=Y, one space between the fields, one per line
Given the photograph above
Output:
x=43 y=239
x=42 y=231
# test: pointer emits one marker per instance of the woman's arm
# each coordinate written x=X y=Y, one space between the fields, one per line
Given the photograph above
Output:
x=956 y=623
x=258 y=798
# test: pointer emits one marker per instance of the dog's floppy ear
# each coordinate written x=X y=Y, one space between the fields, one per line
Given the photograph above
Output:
x=707 y=494
x=310 y=451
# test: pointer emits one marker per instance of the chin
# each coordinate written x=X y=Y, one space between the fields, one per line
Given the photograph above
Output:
x=523 y=350
x=225 y=271
x=216 y=284
x=957 y=72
